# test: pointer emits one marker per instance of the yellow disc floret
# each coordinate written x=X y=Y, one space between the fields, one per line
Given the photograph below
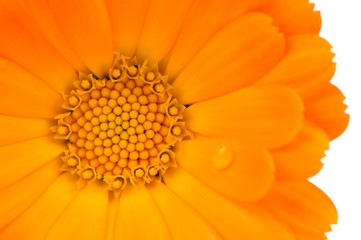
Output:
x=121 y=128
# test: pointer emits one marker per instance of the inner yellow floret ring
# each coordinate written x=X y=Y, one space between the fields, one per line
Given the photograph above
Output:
x=121 y=128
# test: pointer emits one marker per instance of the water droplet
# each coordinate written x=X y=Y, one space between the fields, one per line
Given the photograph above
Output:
x=223 y=157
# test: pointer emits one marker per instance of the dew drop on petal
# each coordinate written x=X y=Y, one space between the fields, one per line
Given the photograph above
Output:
x=222 y=157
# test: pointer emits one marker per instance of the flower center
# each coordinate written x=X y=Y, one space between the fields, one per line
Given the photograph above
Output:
x=121 y=128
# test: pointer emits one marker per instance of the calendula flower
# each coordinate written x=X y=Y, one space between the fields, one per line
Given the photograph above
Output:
x=163 y=119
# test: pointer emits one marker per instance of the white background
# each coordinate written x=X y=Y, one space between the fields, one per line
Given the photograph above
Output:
x=341 y=176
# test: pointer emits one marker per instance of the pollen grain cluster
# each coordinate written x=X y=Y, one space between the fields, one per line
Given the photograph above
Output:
x=121 y=128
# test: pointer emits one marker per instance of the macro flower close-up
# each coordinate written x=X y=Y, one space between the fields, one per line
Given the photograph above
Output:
x=192 y=119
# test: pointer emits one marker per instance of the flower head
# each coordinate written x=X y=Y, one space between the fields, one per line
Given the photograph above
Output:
x=164 y=119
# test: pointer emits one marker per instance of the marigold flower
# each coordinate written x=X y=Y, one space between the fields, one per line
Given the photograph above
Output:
x=164 y=119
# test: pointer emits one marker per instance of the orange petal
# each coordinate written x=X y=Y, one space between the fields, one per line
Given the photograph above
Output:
x=13 y=105
x=86 y=25
x=111 y=216
x=41 y=15
x=270 y=116
x=161 y=29
x=223 y=66
x=204 y=20
x=303 y=206
x=306 y=66
x=227 y=218
x=183 y=221
x=300 y=159
x=294 y=17
x=18 y=160
x=19 y=93
x=18 y=197
x=139 y=217
x=311 y=236
x=16 y=81
x=26 y=46
x=127 y=20
x=237 y=170
x=37 y=220
x=19 y=129
x=327 y=110
x=84 y=217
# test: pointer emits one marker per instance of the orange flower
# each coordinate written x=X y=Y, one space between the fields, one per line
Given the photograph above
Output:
x=204 y=124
